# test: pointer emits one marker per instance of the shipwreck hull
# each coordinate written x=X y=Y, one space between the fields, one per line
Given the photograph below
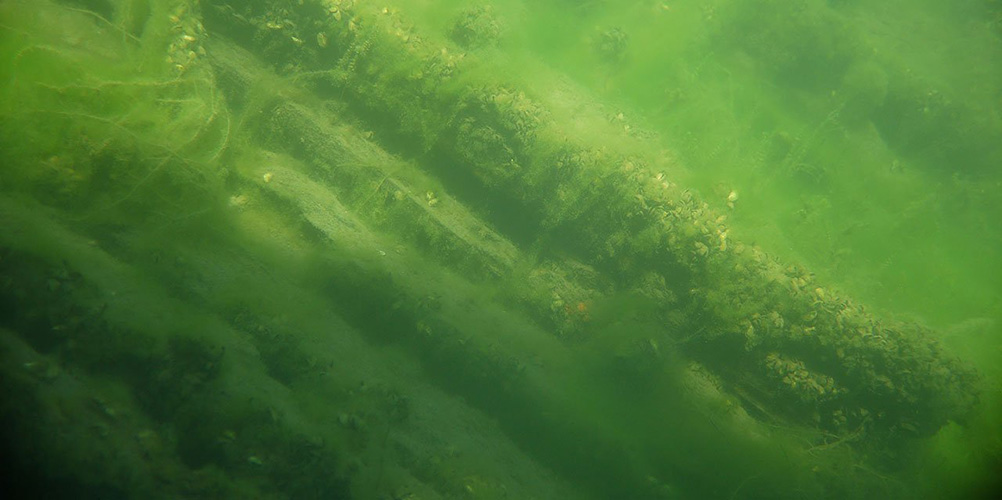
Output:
x=338 y=257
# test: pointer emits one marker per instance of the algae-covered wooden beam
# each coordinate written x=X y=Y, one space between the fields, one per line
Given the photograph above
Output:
x=782 y=339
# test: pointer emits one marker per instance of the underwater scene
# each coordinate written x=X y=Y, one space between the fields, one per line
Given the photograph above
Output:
x=501 y=249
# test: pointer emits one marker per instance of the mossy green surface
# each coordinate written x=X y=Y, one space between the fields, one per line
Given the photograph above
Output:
x=334 y=249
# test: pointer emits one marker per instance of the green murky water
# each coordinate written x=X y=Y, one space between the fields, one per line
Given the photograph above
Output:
x=553 y=249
